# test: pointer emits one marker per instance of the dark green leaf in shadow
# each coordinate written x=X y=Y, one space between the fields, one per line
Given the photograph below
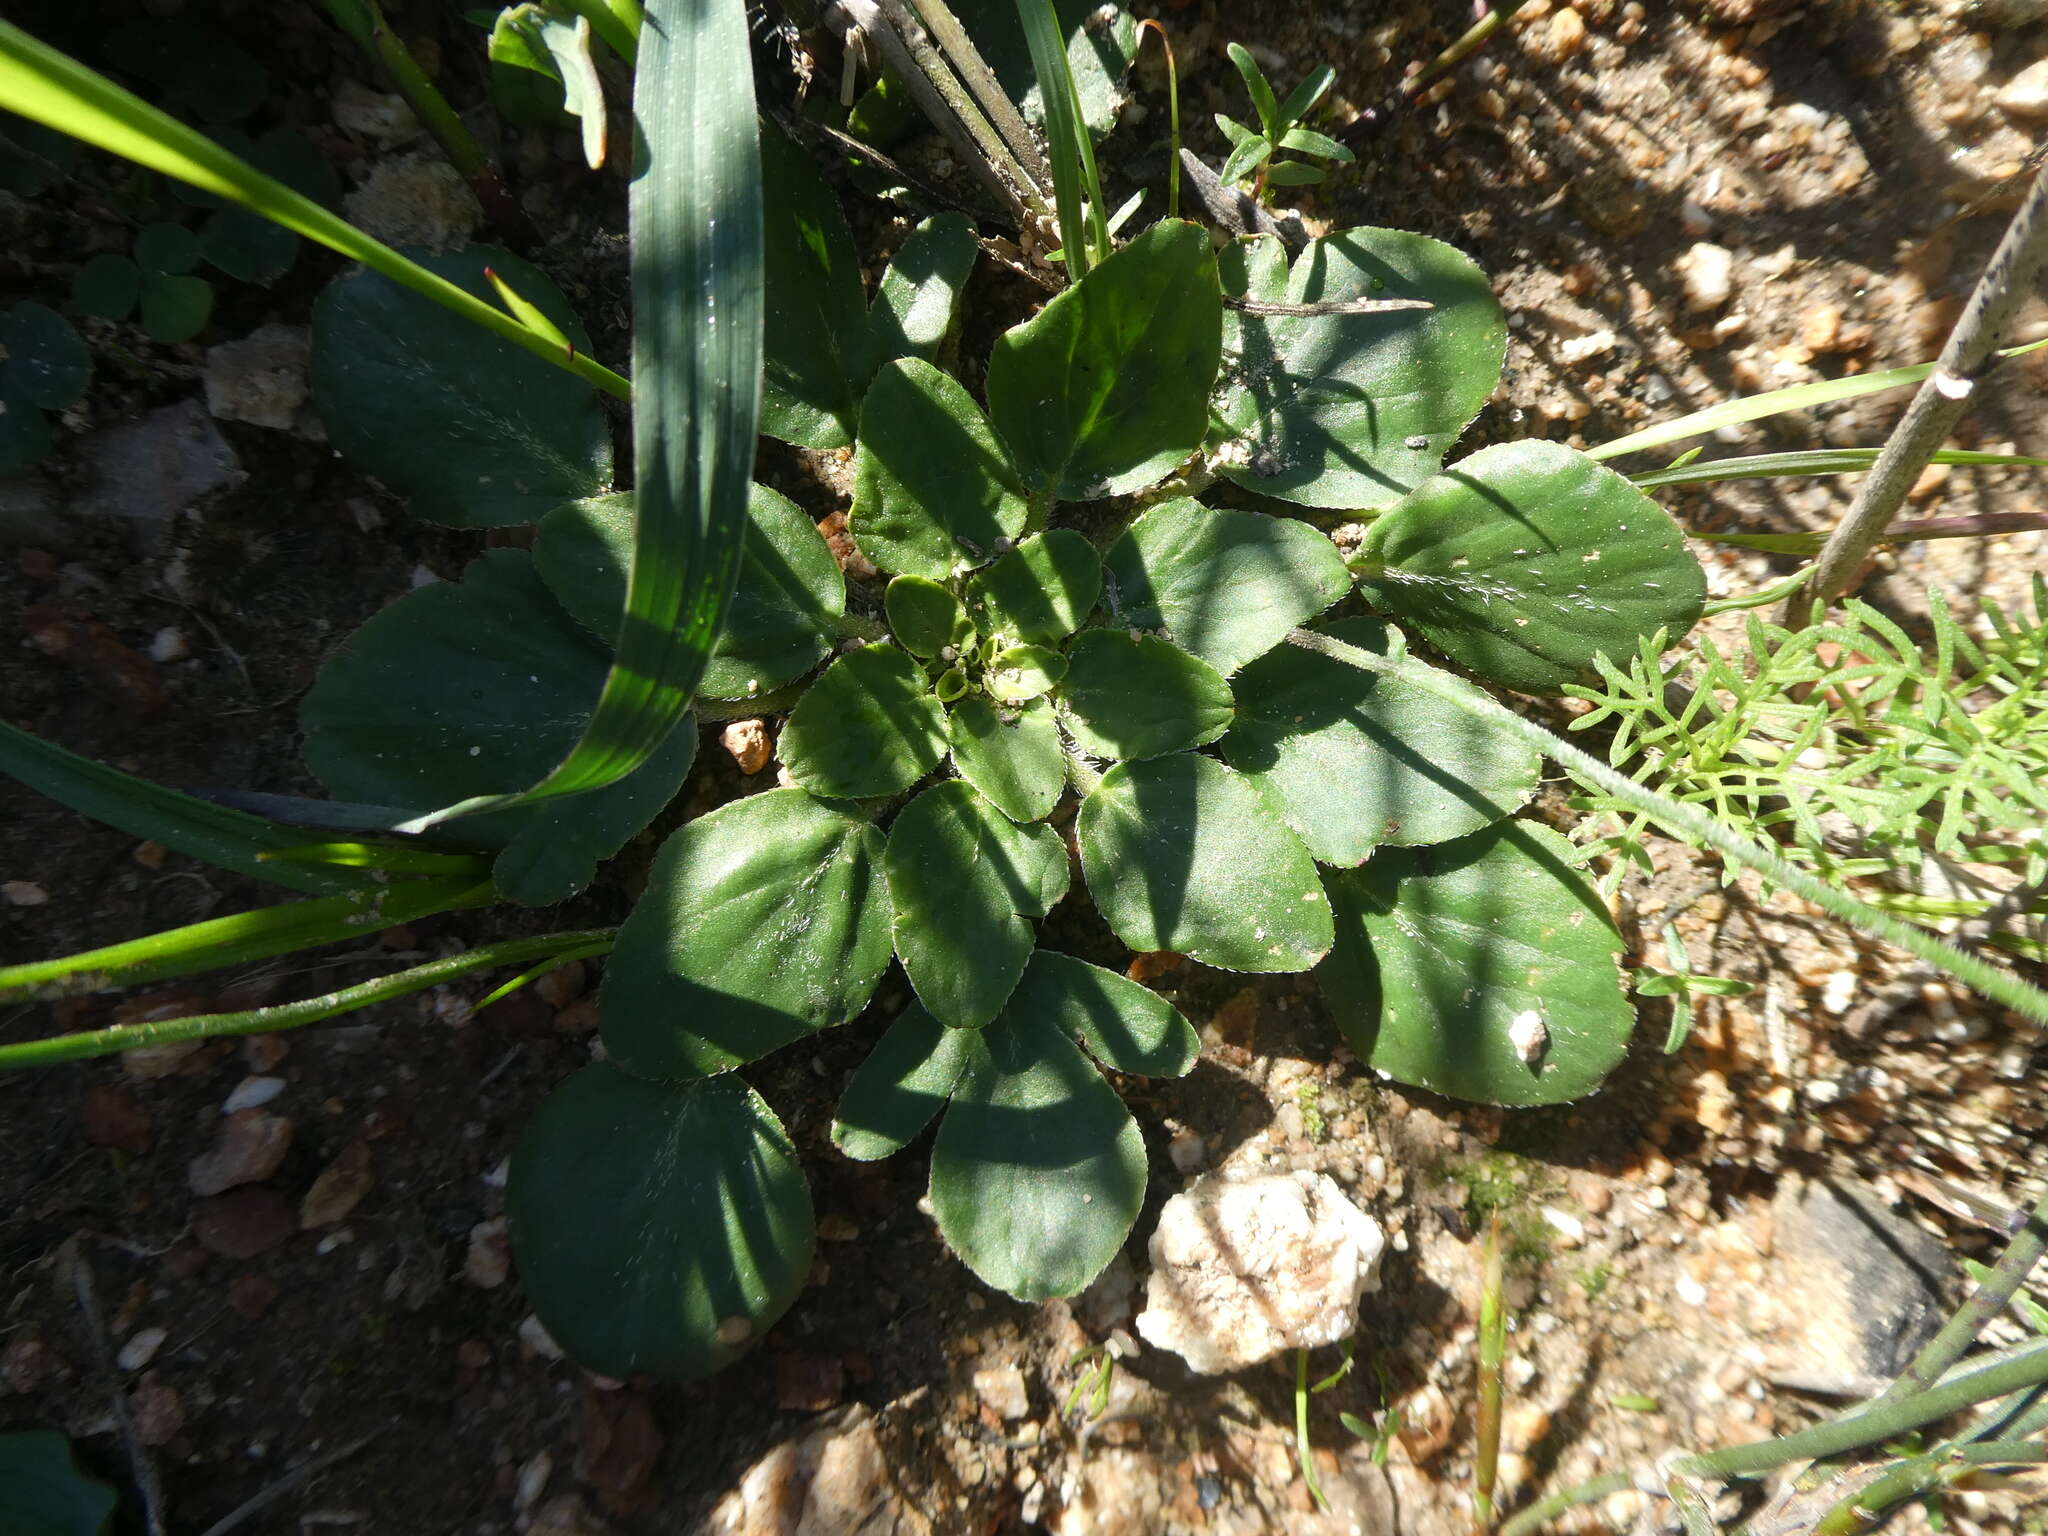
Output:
x=763 y=921
x=1182 y=854
x=1125 y=1026
x=458 y=689
x=174 y=309
x=1453 y=961
x=1101 y=42
x=932 y=493
x=42 y=1492
x=1138 y=696
x=43 y=359
x=107 y=287
x=868 y=726
x=1106 y=389
x=1527 y=560
x=248 y=246
x=904 y=1082
x=924 y=617
x=1040 y=591
x=1224 y=585
x=476 y=432
x=1012 y=756
x=963 y=880
x=197 y=69
x=1355 y=410
x=817 y=318
x=660 y=1228
x=916 y=302
x=1038 y=1169
x=784 y=611
x=1354 y=761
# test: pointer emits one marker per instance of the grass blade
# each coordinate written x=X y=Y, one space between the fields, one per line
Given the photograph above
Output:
x=48 y=87
x=241 y=938
x=224 y=838
x=1077 y=191
x=281 y=1016
x=697 y=309
x=1772 y=402
x=1819 y=461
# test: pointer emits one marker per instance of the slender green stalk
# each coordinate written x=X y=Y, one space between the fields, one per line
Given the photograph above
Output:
x=533 y=974
x=364 y=22
x=1473 y=38
x=1173 y=110
x=243 y=937
x=282 y=1016
x=1543 y=1511
x=1775 y=402
x=1814 y=461
x=1967 y=356
x=2026 y=1249
x=1493 y=1346
x=1077 y=190
x=42 y=84
x=2000 y=986
x=1302 y=1449
x=1869 y=1504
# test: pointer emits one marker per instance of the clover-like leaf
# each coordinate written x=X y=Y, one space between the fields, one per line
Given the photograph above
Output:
x=816 y=306
x=963 y=879
x=43 y=359
x=476 y=688
x=1012 y=756
x=763 y=921
x=1038 y=1169
x=477 y=432
x=1040 y=591
x=660 y=1228
x=904 y=1082
x=924 y=617
x=1125 y=1026
x=1224 y=585
x=1106 y=389
x=1181 y=853
x=1352 y=410
x=917 y=299
x=1355 y=761
x=785 y=608
x=1482 y=968
x=1526 y=561
x=1020 y=673
x=933 y=493
x=1133 y=696
x=867 y=727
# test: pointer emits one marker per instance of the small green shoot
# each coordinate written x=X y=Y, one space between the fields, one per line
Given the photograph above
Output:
x=1095 y=1380
x=1636 y=1402
x=1256 y=152
x=1303 y=1391
x=1493 y=1345
x=1682 y=985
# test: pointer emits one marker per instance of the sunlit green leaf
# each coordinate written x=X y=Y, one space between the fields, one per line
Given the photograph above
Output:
x=904 y=1082
x=1139 y=696
x=1125 y=1026
x=1040 y=591
x=1012 y=756
x=868 y=726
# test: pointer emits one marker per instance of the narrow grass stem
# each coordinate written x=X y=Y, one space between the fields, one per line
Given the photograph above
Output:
x=1173 y=114
x=282 y=1016
x=1493 y=1343
x=1999 y=985
x=2026 y=1249
x=1869 y=1504
x=2007 y=282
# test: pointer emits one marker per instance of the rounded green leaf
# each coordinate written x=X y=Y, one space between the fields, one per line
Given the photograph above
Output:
x=924 y=617
x=1125 y=1026
x=763 y=921
x=477 y=432
x=1338 y=410
x=867 y=727
x=1106 y=389
x=660 y=1228
x=248 y=246
x=1224 y=585
x=1182 y=854
x=916 y=300
x=166 y=250
x=108 y=286
x=1484 y=969
x=1527 y=560
x=42 y=1491
x=1023 y=673
x=1012 y=756
x=1132 y=696
x=904 y=1082
x=1038 y=1169
x=785 y=607
x=816 y=310
x=24 y=435
x=1354 y=761
x=1040 y=591
x=963 y=879
x=43 y=359
x=174 y=309
x=477 y=688
x=933 y=495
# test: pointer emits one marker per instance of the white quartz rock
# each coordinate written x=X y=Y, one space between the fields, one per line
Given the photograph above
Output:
x=1245 y=1269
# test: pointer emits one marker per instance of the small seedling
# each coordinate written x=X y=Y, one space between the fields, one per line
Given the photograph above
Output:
x=1282 y=127
x=1681 y=984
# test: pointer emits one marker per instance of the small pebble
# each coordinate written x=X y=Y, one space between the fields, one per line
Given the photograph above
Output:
x=2025 y=95
x=1707 y=272
x=23 y=893
x=252 y=1093
x=141 y=1349
x=488 y=1264
x=749 y=744
x=1002 y=1388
